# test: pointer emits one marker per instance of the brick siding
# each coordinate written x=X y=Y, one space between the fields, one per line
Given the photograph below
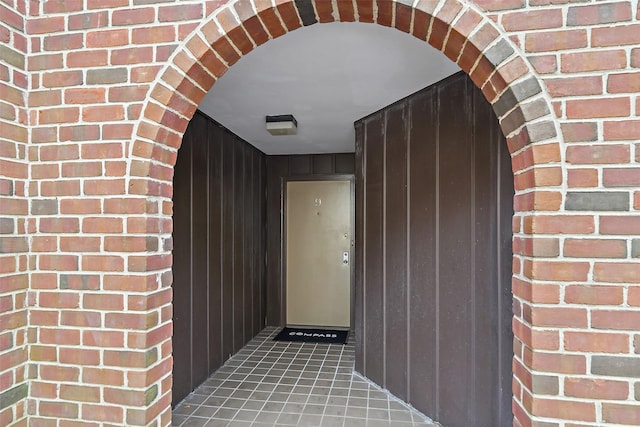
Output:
x=14 y=212
x=95 y=96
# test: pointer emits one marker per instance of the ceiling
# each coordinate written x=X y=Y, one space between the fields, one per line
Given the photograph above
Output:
x=327 y=76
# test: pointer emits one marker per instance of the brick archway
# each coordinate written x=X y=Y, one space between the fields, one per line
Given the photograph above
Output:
x=459 y=29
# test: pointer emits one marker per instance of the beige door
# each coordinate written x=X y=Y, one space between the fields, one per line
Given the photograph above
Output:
x=318 y=253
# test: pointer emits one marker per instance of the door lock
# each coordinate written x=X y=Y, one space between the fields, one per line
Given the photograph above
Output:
x=345 y=257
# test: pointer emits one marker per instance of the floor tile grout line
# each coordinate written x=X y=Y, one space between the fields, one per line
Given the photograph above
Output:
x=333 y=377
x=288 y=346
x=292 y=359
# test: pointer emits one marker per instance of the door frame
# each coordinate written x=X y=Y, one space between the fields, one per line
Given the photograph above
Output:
x=283 y=237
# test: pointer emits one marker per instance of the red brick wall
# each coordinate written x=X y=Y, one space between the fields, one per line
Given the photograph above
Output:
x=13 y=213
x=108 y=102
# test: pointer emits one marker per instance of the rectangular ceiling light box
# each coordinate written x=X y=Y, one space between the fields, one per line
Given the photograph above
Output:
x=284 y=124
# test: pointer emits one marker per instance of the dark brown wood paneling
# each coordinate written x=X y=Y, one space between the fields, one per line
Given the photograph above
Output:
x=182 y=270
x=214 y=137
x=360 y=177
x=199 y=259
x=324 y=164
x=373 y=251
x=344 y=164
x=300 y=165
x=219 y=251
x=277 y=169
x=435 y=195
x=259 y=229
x=423 y=306
x=228 y=220
x=395 y=248
x=485 y=206
x=503 y=294
x=247 y=232
x=238 y=246
x=454 y=246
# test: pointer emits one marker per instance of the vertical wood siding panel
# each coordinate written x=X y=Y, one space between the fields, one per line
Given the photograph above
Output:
x=323 y=164
x=360 y=238
x=261 y=252
x=215 y=180
x=344 y=163
x=254 y=229
x=373 y=247
x=277 y=167
x=214 y=137
x=485 y=152
x=504 y=254
x=199 y=261
x=300 y=165
x=182 y=272
x=247 y=231
x=455 y=270
x=460 y=196
x=238 y=246
x=422 y=252
x=227 y=241
x=395 y=206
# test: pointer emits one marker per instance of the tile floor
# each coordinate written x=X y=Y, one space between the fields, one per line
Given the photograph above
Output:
x=276 y=383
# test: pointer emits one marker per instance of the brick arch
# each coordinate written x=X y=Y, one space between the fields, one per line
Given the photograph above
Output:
x=459 y=29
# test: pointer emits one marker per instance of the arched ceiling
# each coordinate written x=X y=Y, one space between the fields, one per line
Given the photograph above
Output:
x=327 y=76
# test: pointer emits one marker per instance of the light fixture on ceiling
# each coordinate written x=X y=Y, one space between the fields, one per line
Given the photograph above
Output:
x=284 y=124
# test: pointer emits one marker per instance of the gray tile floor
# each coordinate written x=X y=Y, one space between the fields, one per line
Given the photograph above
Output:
x=276 y=383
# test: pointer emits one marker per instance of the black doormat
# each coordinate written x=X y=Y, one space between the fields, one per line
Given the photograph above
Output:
x=327 y=336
